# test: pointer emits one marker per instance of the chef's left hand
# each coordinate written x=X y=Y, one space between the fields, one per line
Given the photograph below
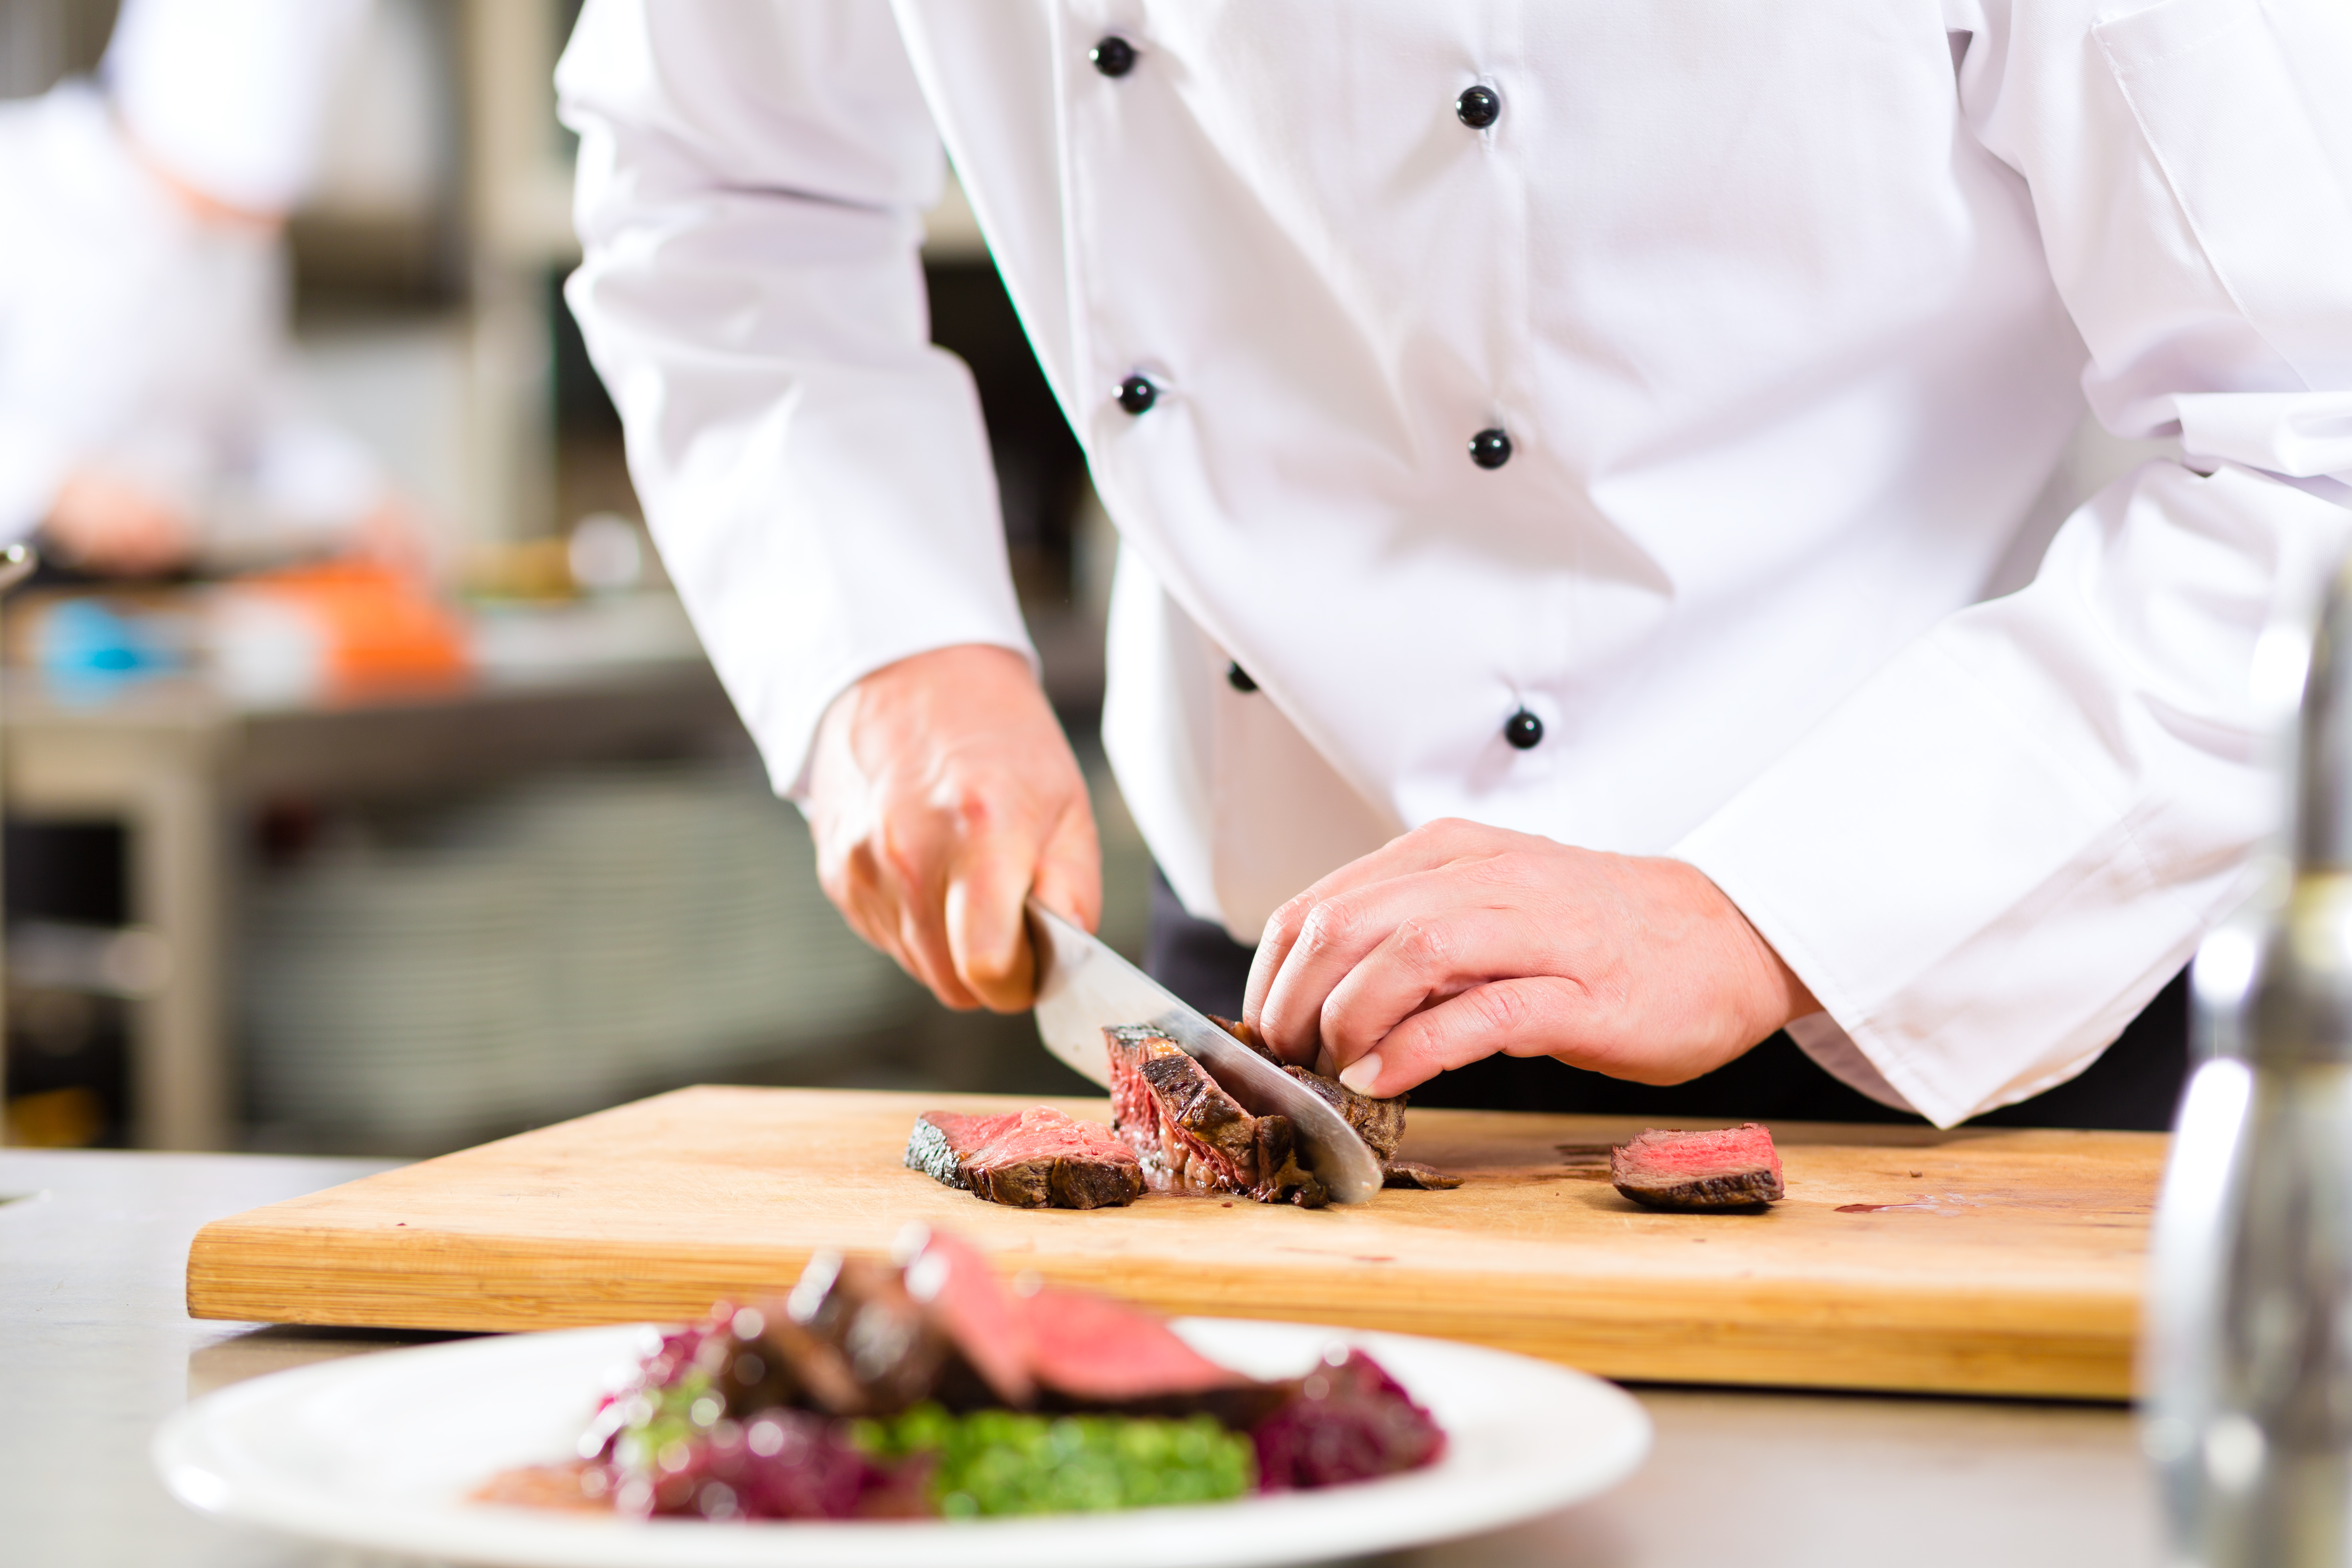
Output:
x=1458 y=941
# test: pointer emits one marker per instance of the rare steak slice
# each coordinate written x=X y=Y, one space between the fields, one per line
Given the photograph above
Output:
x=941 y=1139
x=1064 y=1350
x=1037 y=1158
x=1189 y=1135
x=1089 y=1354
x=1737 y=1168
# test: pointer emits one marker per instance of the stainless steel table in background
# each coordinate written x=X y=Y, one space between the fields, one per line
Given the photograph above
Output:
x=96 y=1348
x=181 y=766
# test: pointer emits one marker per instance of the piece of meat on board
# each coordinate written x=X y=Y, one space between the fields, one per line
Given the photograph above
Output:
x=1736 y=1168
x=1037 y=1158
x=1193 y=1137
x=1379 y=1122
x=1415 y=1174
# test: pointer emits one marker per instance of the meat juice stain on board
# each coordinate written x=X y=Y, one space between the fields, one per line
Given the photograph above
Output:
x=1922 y=1203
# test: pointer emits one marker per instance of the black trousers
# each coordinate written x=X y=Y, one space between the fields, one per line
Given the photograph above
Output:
x=2135 y=1084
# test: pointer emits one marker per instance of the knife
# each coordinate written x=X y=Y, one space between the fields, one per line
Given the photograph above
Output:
x=1083 y=986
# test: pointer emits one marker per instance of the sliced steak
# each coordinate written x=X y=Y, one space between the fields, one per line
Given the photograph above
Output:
x=857 y=1337
x=1280 y=1175
x=1062 y=1349
x=951 y=1280
x=1089 y=1354
x=1189 y=1135
x=1379 y=1122
x=1037 y=1158
x=1737 y=1168
x=859 y=1312
x=941 y=1139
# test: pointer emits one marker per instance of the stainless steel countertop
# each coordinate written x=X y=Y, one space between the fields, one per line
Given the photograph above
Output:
x=95 y=1347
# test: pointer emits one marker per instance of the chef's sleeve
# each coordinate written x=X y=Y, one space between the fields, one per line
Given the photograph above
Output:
x=816 y=474
x=1994 y=855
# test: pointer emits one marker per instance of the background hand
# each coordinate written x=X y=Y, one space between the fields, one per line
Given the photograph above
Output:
x=395 y=535
x=102 y=523
x=941 y=792
x=1458 y=941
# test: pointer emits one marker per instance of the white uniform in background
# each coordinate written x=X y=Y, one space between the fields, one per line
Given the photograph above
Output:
x=1786 y=311
x=138 y=337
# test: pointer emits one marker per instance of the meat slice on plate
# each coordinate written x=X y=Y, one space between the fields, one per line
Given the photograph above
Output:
x=1089 y=1354
x=1737 y=1168
x=1037 y=1158
x=1193 y=1137
x=886 y=1391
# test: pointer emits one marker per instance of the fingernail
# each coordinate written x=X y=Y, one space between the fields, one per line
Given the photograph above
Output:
x=1362 y=1073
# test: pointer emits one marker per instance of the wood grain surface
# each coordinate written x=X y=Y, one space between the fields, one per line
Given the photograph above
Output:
x=1988 y=1261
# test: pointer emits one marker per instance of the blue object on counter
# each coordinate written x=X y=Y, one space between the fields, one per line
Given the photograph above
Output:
x=88 y=648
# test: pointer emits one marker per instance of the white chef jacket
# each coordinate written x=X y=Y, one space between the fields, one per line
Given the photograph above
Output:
x=140 y=339
x=1787 y=311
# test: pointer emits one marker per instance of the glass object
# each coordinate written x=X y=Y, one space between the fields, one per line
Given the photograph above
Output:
x=2246 y=1367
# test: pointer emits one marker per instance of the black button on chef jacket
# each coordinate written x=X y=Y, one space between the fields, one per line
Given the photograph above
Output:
x=1114 y=55
x=1490 y=448
x=1478 y=107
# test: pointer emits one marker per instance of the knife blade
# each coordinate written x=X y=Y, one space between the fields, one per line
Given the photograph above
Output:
x=1083 y=986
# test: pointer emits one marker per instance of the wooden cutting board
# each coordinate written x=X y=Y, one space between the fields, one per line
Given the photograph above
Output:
x=1980 y=1262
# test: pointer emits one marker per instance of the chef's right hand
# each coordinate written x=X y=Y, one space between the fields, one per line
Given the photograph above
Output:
x=941 y=793
x=102 y=523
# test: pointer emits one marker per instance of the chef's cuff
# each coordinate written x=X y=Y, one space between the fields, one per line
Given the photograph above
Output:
x=1833 y=1052
x=785 y=731
x=1940 y=866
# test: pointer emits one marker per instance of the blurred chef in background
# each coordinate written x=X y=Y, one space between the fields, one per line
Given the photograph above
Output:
x=150 y=420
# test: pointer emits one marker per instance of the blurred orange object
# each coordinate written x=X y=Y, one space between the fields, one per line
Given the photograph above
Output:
x=55 y=1119
x=343 y=626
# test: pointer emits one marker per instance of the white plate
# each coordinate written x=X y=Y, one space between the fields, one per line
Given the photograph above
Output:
x=378 y=1452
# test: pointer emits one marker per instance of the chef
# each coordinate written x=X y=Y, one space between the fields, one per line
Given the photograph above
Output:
x=147 y=410
x=1570 y=463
